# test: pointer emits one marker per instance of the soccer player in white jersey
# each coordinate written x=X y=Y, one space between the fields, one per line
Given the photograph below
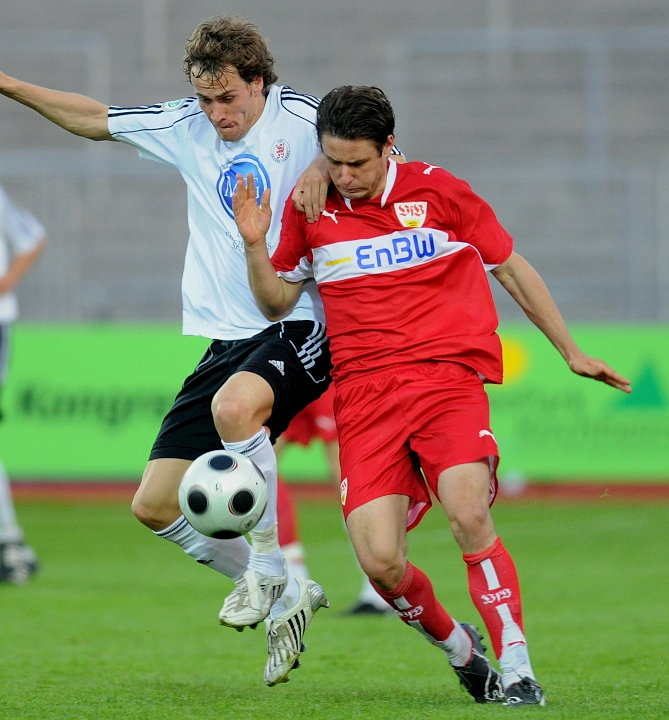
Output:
x=22 y=241
x=400 y=255
x=255 y=375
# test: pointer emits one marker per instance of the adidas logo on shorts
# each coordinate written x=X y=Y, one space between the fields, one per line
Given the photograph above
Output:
x=278 y=364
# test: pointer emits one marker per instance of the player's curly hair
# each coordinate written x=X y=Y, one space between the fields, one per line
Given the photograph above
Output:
x=229 y=41
x=354 y=112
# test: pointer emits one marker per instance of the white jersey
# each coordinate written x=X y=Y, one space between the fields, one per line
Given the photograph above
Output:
x=20 y=233
x=217 y=300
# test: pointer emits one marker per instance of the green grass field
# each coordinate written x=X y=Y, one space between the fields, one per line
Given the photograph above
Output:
x=121 y=626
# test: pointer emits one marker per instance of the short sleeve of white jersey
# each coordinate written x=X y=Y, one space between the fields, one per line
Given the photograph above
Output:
x=159 y=131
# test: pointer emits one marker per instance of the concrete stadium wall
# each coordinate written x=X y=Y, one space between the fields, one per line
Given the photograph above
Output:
x=555 y=112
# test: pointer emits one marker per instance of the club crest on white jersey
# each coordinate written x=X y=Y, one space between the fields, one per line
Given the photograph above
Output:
x=227 y=180
x=280 y=151
x=411 y=214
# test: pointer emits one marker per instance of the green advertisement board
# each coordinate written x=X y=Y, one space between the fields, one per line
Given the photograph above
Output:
x=553 y=425
x=85 y=402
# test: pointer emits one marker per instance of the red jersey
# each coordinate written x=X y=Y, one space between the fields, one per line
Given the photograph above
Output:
x=402 y=276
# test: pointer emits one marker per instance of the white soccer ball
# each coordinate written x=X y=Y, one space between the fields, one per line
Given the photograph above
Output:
x=223 y=494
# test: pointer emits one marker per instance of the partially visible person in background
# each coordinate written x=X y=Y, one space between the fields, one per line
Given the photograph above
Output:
x=22 y=240
x=316 y=422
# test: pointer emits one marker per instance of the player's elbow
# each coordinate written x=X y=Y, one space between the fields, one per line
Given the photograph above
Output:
x=274 y=313
x=277 y=303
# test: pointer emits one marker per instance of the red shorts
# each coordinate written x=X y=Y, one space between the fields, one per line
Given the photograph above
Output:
x=315 y=421
x=396 y=422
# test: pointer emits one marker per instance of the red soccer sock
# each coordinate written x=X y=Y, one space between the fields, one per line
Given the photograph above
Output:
x=286 y=515
x=417 y=605
x=495 y=591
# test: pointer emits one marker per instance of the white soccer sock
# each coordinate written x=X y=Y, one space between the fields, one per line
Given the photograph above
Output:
x=259 y=450
x=457 y=646
x=515 y=664
x=288 y=598
x=266 y=556
x=294 y=554
x=10 y=532
x=229 y=557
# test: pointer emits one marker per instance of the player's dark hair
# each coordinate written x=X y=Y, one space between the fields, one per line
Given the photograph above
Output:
x=356 y=113
x=228 y=41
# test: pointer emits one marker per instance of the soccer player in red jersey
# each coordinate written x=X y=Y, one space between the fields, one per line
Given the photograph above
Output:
x=401 y=254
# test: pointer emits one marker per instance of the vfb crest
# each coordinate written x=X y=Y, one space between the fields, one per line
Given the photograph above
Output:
x=411 y=214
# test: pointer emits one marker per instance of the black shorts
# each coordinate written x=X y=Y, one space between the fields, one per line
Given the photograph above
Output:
x=293 y=357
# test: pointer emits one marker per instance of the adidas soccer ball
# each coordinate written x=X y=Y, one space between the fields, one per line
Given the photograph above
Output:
x=223 y=494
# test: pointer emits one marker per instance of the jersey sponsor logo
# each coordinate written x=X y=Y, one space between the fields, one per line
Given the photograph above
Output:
x=411 y=215
x=172 y=105
x=348 y=259
x=227 y=180
x=280 y=151
x=398 y=251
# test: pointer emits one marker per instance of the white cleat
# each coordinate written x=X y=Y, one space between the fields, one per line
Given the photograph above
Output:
x=18 y=563
x=285 y=633
x=250 y=601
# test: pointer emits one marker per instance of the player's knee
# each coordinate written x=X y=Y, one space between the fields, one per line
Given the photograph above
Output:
x=472 y=526
x=154 y=516
x=142 y=511
x=385 y=572
x=230 y=412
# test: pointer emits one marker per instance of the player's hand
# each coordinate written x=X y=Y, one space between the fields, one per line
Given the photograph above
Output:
x=598 y=370
x=252 y=220
x=311 y=190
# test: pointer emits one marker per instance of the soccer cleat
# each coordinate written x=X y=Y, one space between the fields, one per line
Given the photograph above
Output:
x=478 y=676
x=18 y=563
x=525 y=692
x=250 y=601
x=286 y=632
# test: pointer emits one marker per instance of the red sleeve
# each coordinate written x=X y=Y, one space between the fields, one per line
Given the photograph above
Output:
x=478 y=224
x=292 y=247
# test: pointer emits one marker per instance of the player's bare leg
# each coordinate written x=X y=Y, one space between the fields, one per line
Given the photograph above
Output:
x=156 y=505
x=240 y=409
x=378 y=532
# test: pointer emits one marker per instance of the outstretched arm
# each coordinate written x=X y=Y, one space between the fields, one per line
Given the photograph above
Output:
x=75 y=113
x=527 y=288
x=275 y=297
